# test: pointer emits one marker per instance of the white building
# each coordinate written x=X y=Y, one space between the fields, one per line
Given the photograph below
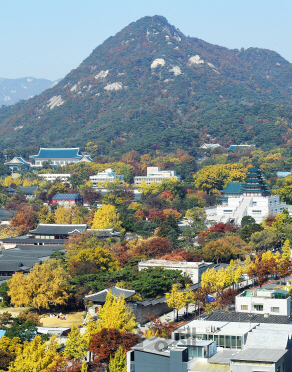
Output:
x=263 y=301
x=192 y=269
x=206 y=146
x=155 y=174
x=51 y=177
x=249 y=198
x=106 y=176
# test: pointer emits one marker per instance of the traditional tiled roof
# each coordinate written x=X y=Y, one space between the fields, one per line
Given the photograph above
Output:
x=18 y=255
x=233 y=188
x=58 y=153
x=28 y=189
x=255 y=183
x=19 y=265
x=39 y=248
x=56 y=229
x=101 y=296
x=86 y=158
x=105 y=233
x=6 y=215
x=17 y=161
x=10 y=189
x=233 y=147
x=33 y=241
x=66 y=196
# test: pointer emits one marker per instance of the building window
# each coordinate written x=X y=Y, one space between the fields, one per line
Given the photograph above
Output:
x=256 y=211
x=221 y=341
x=244 y=307
x=258 y=307
x=216 y=338
x=227 y=211
x=254 y=204
x=133 y=356
x=233 y=342
x=132 y=367
x=275 y=309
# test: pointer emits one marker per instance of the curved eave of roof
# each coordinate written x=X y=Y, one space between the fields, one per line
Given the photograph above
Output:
x=78 y=154
x=20 y=161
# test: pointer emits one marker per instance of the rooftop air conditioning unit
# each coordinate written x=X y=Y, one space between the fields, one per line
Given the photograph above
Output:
x=266 y=315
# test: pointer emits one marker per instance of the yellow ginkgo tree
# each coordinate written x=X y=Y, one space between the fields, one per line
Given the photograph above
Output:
x=36 y=356
x=189 y=296
x=175 y=299
x=106 y=217
x=45 y=285
x=115 y=313
x=76 y=345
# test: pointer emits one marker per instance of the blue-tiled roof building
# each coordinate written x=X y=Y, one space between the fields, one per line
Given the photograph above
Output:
x=18 y=162
x=60 y=156
x=233 y=147
x=233 y=189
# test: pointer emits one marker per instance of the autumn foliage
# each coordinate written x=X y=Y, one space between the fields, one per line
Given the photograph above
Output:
x=105 y=343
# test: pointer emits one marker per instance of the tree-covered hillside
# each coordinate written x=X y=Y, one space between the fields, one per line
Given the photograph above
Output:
x=151 y=86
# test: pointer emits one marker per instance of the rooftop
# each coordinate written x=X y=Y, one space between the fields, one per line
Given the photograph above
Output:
x=66 y=196
x=175 y=263
x=41 y=248
x=233 y=317
x=57 y=229
x=268 y=338
x=193 y=342
x=223 y=357
x=233 y=147
x=259 y=355
x=233 y=188
x=17 y=160
x=265 y=293
x=58 y=153
x=26 y=240
x=101 y=296
x=211 y=145
x=217 y=327
x=28 y=189
x=154 y=345
x=23 y=264
x=7 y=214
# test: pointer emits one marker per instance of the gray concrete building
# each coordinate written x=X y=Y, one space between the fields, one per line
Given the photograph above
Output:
x=192 y=269
x=238 y=347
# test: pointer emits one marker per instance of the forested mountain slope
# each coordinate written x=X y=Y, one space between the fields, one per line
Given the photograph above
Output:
x=150 y=85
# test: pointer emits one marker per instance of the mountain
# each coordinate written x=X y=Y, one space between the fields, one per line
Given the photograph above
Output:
x=152 y=86
x=14 y=90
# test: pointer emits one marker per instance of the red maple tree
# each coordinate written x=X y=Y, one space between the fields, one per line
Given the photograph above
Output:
x=105 y=343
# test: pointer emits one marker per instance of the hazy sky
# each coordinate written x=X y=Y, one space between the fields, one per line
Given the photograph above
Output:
x=47 y=39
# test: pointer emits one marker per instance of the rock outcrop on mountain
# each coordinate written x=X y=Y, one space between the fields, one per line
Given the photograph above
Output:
x=150 y=85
